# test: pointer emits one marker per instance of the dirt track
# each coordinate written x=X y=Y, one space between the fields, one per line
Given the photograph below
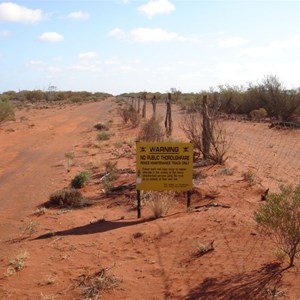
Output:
x=32 y=157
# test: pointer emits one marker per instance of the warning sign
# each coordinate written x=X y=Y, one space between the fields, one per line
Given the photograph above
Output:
x=164 y=166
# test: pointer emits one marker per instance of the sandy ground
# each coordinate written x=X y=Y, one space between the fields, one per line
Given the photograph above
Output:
x=149 y=258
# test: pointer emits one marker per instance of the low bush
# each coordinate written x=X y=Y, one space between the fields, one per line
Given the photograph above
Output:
x=6 y=111
x=103 y=136
x=81 y=180
x=67 y=197
x=151 y=131
x=101 y=126
x=258 y=114
x=279 y=218
x=159 y=202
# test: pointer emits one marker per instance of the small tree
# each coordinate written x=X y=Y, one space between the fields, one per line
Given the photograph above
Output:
x=280 y=219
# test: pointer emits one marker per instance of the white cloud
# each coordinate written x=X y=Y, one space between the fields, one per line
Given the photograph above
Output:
x=117 y=32
x=36 y=63
x=4 y=33
x=52 y=69
x=293 y=42
x=87 y=55
x=11 y=12
x=146 y=35
x=155 y=7
x=231 y=42
x=112 y=61
x=51 y=37
x=85 y=67
x=273 y=49
x=126 y=68
x=257 y=52
x=79 y=15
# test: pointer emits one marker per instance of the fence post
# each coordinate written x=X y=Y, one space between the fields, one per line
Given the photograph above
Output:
x=206 y=129
x=168 y=119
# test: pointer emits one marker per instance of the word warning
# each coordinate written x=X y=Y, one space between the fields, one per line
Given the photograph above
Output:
x=164 y=166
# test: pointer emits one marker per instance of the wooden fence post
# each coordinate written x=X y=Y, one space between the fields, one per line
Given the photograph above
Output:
x=206 y=129
x=144 y=106
x=168 y=119
x=154 y=101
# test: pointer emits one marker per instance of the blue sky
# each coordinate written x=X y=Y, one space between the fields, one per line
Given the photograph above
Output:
x=121 y=46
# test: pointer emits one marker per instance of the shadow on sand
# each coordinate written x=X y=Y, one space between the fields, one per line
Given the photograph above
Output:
x=97 y=227
x=257 y=284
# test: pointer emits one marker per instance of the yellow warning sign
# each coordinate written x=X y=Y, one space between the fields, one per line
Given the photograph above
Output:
x=164 y=166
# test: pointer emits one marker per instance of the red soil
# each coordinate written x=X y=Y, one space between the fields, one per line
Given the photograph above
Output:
x=152 y=258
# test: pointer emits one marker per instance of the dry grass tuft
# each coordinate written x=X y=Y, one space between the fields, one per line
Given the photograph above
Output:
x=94 y=285
x=159 y=202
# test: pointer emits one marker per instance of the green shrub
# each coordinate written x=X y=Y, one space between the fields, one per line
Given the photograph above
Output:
x=279 y=218
x=6 y=111
x=81 y=180
x=103 y=136
x=67 y=197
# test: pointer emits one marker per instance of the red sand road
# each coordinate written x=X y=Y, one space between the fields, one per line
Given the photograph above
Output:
x=33 y=157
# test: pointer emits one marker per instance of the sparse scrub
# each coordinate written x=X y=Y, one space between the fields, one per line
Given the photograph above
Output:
x=29 y=228
x=279 y=218
x=69 y=156
x=203 y=248
x=151 y=131
x=68 y=197
x=103 y=136
x=226 y=171
x=258 y=114
x=6 y=111
x=81 y=180
x=111 y=170
x=40 y=211
x=159 y=202
x=94 y=285
x=128 y=113
x=250 y=177
x=17 y=264
x=101 y=126
x=192 y=126
x=107 y=185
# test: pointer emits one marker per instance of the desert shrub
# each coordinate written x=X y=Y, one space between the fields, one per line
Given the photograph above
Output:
x=81 y=180
x=220 y=143
x=258 y=114
x=192 y=126
x=103 y=136
x=18 y=263
x=69 y=156
x=159 y=202
x=279 y=218
x=67 y=197
x=111 y=170
x=278 y=102
x=6 y=111
x=128 y=113
x=101 y=126
x=93 y=286
x=151 y=131
x=250 y=177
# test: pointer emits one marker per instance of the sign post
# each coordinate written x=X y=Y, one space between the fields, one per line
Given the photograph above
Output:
x=163 y=166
